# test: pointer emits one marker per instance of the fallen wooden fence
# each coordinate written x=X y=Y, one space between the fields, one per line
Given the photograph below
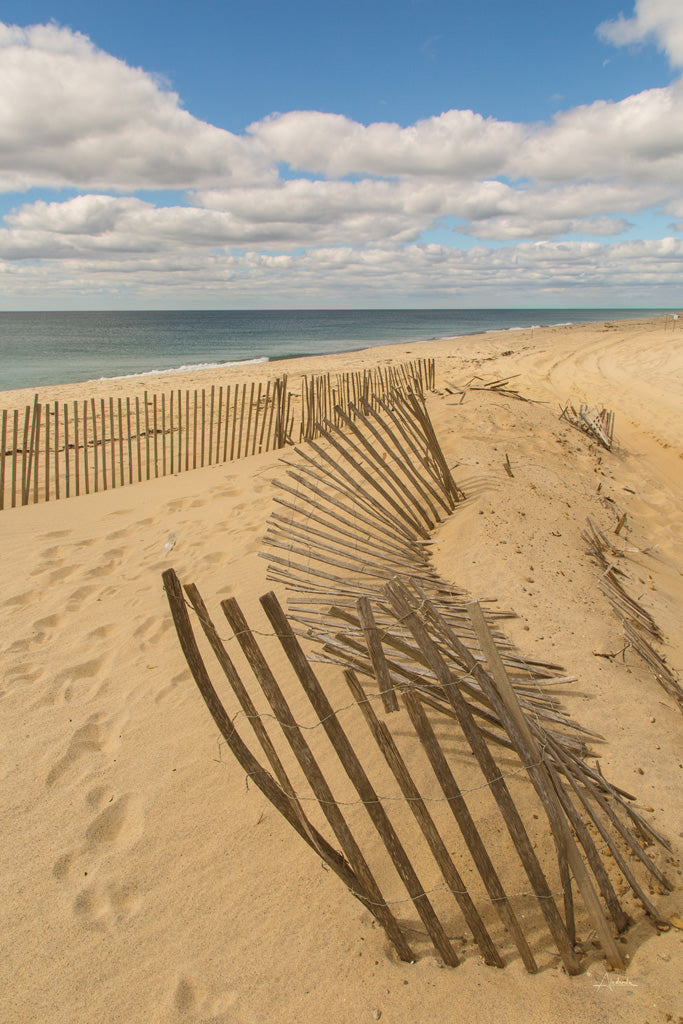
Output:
x=297 y=772
x=359 y=510
x=638 y=625
x=55 y=450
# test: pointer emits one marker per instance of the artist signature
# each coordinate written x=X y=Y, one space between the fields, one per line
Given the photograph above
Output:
x=613 y=980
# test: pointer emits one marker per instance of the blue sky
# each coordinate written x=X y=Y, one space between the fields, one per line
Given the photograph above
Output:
x=348 y=154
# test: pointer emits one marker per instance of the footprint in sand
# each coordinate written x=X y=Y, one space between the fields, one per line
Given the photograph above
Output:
x=98 y=735
x=86 y=679
x=98 y=897
x=191 y=1003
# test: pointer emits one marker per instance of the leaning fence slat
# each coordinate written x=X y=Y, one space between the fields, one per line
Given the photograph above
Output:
x=494 y=778
x=452 y=877
x=263 y=779
x=358 y=777
x=314 y=775
x=532 y=757
x=468 y=829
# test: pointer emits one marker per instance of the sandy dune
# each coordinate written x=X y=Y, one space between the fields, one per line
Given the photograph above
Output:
x=143 y=881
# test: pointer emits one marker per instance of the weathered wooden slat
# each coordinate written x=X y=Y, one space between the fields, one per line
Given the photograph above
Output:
x=309 y=765
x=358 y=777
x=245 y=758
x=493 y=776
x=452 y=877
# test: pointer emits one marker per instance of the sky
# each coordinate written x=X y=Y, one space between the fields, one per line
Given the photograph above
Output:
x=413 y=153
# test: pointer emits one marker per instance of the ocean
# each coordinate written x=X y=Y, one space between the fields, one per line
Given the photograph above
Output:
x=38 y=349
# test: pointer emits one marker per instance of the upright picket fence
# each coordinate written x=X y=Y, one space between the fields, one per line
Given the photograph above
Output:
x=55 y=450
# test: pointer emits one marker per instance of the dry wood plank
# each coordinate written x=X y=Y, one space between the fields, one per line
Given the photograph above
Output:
x=171 y=428
x=195 y=427
x=112 y=441
x=203 y=429
x=163 y=433
x=211 y=415
x=493 y=775
x=358 y=777
x=234 y=422
x=67 y=479
x=86 y=450
x=47 y=455
x=376 y=653
x=243 y=755
x=468 y=828
x=76 y=451
x=309 y=765
x=24 y=454
x=227 y=421
x=266 y=403
x=137 y=436
x=56 y=473
x=36 y=450
x=3 y=453
x=103 y=438
x=531 y=755
x=187 y=429
x=403 y=492
x=130 y=441
x=452 y=877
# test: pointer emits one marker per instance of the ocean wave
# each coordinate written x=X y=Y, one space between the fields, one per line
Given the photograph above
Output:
x=186 y=368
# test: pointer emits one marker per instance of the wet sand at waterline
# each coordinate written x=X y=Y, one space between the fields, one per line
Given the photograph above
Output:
x=144 y=881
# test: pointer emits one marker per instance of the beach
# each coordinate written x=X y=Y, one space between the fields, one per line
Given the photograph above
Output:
x=145 y=880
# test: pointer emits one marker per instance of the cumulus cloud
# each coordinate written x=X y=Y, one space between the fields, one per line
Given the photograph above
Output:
x=458 y=143
x=658 y=21
x=73 y=115
x=357 y=199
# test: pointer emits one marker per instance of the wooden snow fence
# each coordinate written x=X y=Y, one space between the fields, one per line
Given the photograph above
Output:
x=598 y=422
x=499 y=845
x=640 y=629
x=55 y=450
x=473 y=851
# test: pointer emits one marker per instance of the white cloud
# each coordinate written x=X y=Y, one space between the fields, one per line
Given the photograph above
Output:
x=73 y=115
x=458 y=143
x=658 y=21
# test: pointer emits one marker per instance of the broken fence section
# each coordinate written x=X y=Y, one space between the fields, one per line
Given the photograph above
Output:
x=640 y=629
x=598 y=422
x=462 y=847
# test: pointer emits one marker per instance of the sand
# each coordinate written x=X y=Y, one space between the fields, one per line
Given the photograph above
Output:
x=143 y=881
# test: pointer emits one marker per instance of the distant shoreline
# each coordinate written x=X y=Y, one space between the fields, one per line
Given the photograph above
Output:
x=43 y=350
